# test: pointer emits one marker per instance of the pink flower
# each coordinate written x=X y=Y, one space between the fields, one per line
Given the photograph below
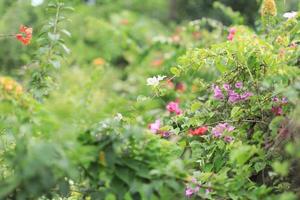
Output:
x=228 y=138
x=233 y=96
x=189 y=192
x=232 y=33
x=277 y=110
x=275 y=99
x=226 y=86
x=165 y=134
x=239 y=85
x=154 y=127
x=218 y=92
x=230 y=37
x=173 y=107
x=218 y=130
x=232 y=30
x=246 y=95
x=284 y=100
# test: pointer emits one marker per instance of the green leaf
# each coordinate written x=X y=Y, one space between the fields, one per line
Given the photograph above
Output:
x=67 y=33
x=281 y=168
x=53 y=37
x=195 y=106
x=65 y=48
x=175 y=71
x=235 y=112
x=55 y=63
x=242 y=154
x=259 y=166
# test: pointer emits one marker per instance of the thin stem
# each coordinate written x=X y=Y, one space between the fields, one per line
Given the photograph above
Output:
x=7 y=35
x=54 y=31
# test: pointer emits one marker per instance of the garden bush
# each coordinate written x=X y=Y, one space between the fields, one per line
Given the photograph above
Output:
x=120 y=105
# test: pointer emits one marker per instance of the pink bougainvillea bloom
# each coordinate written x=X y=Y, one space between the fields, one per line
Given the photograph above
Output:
x=232 y=33
x=165 y=134
x=275 y=99
x=218 y=92
x=239 y=85
x=154 y=127
x=232 y=30
x=246 y=95
x=230 y=37
x=189 y=192
x=226 y=86
x=218 y=130
x=228 y=138
x=173 y=107
x=277 y=110
x=284 y=100
x=197 y=188
x=233 y=96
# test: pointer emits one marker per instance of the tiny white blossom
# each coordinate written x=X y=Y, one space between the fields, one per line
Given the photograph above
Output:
x=154 y=81
x=290 y=15
x=118 y=117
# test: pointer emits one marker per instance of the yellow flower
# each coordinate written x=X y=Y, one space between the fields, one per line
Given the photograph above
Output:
x=269 y=8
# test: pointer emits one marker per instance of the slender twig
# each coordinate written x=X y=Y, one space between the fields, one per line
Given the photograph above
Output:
x=7 y=35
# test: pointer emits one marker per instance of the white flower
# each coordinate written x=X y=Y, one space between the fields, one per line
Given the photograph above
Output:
x=290 y=15
x=118 y=117
x=154 y=81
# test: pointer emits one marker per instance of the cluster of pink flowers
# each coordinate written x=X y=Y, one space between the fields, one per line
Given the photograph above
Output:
x=277 y=105
x=155 y=128
x=173 y=107
x=218 y=131
x=233 y=96
x=232 y=33
x=190 y=191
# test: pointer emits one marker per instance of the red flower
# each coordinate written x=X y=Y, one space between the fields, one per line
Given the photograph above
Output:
x=199 y=131
x=25 y=35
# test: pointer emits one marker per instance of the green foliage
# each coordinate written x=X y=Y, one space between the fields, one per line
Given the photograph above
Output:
x=74 y=124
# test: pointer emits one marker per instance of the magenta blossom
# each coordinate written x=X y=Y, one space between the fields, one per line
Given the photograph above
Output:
x=218 y=130
x=246 y=95
x=218 y=92
x=173 y=107
x=190 y=191
x=154 y=127
x=228 y=138
x=232 y=30
x=233 y=96
x=226 y=86
x=277 y=110
x=284 y=100
x=232 y=33
x=239 y=85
